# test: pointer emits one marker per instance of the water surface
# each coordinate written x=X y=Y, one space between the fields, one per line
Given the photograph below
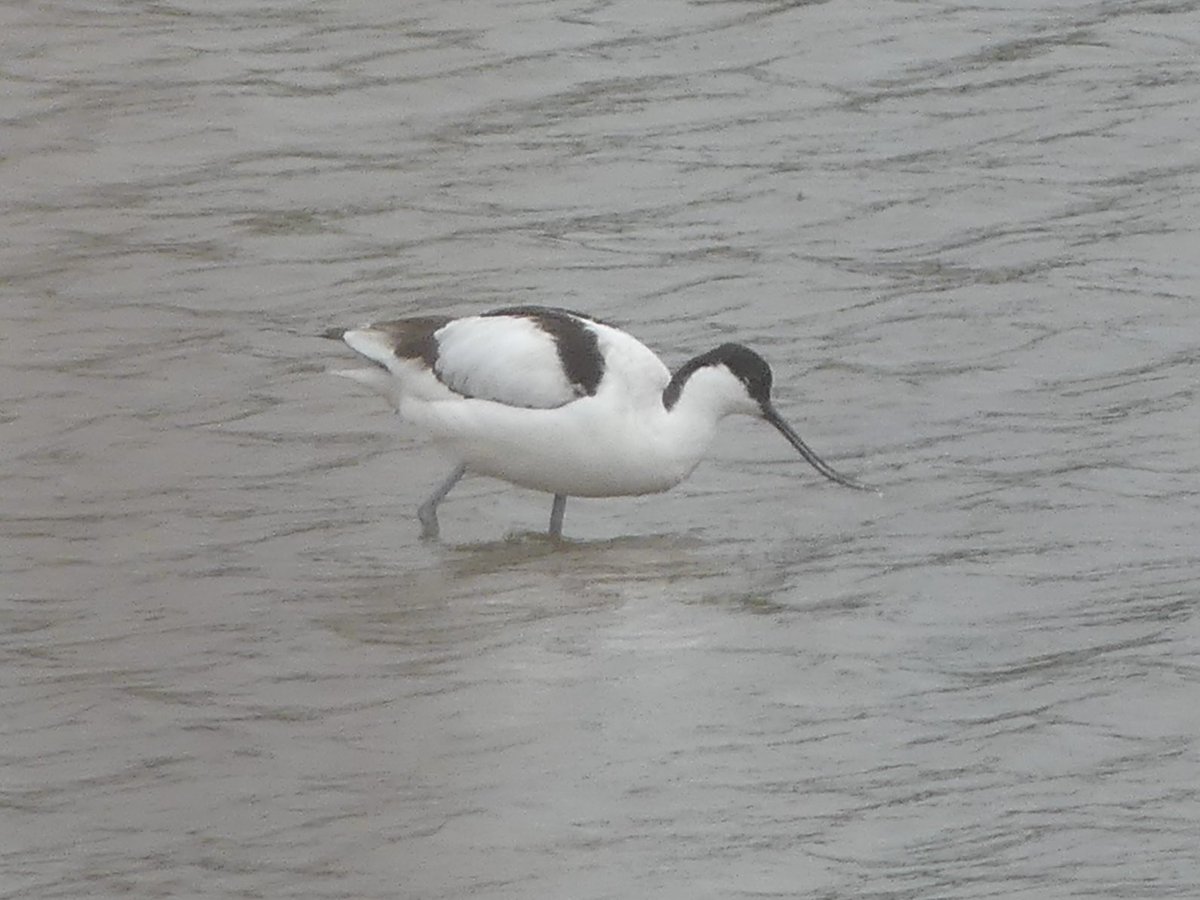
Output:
x=964 y=235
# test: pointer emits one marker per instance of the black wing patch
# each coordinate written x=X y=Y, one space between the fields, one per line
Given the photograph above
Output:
x=414 y=339
x=577 y=345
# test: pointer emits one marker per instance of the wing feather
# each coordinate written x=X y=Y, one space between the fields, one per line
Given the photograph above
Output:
x=528 y=356
x=506 y=358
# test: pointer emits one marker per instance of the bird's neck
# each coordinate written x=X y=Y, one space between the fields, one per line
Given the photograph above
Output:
x=708 y=394
x=690 y=422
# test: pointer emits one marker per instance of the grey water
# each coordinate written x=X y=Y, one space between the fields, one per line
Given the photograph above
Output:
x=965 y=236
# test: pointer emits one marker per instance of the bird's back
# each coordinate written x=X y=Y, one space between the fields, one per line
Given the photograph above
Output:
x=524 y=357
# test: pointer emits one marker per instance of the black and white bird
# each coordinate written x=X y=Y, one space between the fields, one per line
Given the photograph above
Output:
x=558 y=401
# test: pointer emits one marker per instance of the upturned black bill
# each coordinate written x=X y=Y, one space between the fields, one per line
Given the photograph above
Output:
x=815 y=461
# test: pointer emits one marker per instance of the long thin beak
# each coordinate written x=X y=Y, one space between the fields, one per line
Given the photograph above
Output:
x=815 y=461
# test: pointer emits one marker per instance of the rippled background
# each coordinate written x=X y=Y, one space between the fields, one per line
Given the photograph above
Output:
x=964 y=234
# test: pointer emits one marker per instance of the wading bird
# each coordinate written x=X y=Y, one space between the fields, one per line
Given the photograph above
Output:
x=560 y=402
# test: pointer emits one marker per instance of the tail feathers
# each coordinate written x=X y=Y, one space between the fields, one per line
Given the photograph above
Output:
x=376 y=379
x=377 y=346
x=366 y=341
x=404 y=351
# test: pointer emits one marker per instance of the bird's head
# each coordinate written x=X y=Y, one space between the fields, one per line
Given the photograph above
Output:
x=733 y=379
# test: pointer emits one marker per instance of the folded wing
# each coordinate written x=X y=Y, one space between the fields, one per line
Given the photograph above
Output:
x=532 y=357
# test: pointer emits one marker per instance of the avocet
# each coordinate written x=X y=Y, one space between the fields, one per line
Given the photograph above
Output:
x=560 y=402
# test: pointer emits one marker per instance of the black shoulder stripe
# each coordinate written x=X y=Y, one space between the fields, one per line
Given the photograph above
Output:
x=414 y=338
x=578 y=348
x=532 y=311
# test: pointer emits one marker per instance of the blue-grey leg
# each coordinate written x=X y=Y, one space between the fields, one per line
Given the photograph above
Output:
x=427 y=512
x=556 y=515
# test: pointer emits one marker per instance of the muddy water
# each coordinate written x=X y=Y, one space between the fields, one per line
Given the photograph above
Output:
x=965 y=236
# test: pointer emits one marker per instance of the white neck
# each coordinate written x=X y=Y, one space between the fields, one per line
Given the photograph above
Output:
x=708 y=396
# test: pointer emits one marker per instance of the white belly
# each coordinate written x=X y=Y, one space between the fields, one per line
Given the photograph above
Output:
x=583 y=449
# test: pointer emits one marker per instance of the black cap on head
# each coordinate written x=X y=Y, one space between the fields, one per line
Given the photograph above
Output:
x=753 y=372
x=750 y=368
x=746 y=365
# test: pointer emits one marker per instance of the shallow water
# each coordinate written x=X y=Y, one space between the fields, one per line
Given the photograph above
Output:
x=963 y=235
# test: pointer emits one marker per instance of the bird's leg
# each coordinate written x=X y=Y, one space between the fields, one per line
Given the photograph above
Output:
x=427 y=512
x=556 y=516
